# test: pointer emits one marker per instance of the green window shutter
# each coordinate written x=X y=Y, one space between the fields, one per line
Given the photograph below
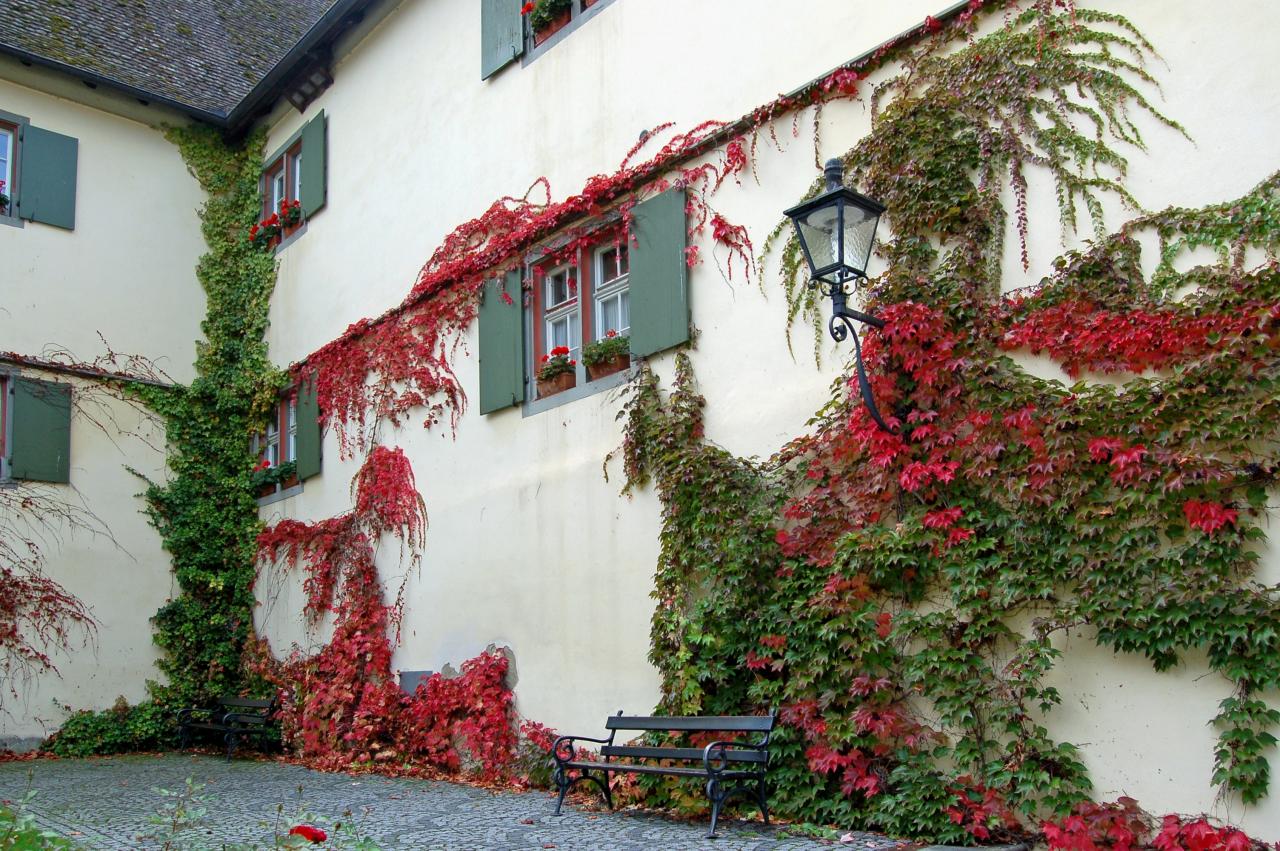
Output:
x=501 y=35
x=659 y=280
x=47 y=178
x=501 y=345
x=41 y=431
x=308 y=446
x=315 y=165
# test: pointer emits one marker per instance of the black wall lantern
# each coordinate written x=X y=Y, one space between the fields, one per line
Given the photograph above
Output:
x=836 y=231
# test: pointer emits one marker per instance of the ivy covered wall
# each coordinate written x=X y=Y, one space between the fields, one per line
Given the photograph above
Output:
x=903 y=597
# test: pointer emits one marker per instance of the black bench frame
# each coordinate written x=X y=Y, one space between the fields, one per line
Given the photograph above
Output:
x=236 y=718
x=731 y=767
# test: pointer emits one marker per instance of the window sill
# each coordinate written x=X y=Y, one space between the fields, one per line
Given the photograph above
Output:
x=531 y=52
x=581 y=391
x=289 y=240
x=280 y=494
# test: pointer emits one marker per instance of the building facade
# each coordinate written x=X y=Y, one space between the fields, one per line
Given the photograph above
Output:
x=429 y=111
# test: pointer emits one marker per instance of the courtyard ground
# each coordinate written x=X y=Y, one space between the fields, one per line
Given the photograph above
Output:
x=110 y=802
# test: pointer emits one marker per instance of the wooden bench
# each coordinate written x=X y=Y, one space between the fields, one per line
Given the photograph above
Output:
x=729 y=766
x=236 y=718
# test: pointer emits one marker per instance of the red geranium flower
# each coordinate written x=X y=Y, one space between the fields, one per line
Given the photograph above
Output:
x=559 y=351
x=526 y=8
x=309 y=833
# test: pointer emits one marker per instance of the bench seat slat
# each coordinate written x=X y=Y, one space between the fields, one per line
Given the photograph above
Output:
x=679 y=753
x=656 y=769
x=728 y=723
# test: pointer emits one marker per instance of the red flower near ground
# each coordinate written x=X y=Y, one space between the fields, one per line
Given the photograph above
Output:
x=309 y=833
x=263 y=464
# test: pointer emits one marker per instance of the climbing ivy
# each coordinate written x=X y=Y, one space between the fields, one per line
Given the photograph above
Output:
x=205 y=512
x=900 y=596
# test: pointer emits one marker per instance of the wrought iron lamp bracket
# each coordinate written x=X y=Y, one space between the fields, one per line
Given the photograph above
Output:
x=842 y=328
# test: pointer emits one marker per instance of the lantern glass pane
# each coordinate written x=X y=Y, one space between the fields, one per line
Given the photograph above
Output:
x=818 y=230
x=859 y=231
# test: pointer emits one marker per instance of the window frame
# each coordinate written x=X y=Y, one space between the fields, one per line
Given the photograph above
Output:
x=285 y=443
x=580 y=12
x=15 y=124
x=586 y=259
x=286 y=168
x=6 y=425
x=615 y=287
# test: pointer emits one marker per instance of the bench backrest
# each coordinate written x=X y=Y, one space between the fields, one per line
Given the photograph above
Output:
x=697 y=724
x=704 y=724
x=249 y=705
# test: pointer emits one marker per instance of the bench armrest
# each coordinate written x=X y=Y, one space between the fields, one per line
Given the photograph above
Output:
x=715 y=756
x=571 y=751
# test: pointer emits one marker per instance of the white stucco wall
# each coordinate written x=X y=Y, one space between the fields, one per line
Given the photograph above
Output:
x=127 y=271
x=113 y=563
x=528 y=546
x=125 y=275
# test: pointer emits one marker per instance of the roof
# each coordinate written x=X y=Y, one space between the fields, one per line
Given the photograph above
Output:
x=206 y=56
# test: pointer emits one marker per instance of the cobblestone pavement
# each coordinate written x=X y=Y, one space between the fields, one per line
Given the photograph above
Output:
x=107 y=803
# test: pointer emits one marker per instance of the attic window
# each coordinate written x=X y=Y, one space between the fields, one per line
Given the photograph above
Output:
x=309 y=84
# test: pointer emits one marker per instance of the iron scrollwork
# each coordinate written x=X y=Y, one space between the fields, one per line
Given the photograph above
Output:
x=841 y=328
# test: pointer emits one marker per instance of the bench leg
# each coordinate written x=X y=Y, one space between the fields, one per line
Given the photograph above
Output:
x=717 y=794
x=562 y=783
x=764 y=801
x=231 y=744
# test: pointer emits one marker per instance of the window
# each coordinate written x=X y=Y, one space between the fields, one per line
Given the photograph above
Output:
x=35 y=430
x=4 y=427
x=8 y=148
x=562 y=316
x=508 y=31
x=296 y=175
x=282 y=184
x=277 y=468
x=608 y=298
x=288 y=447
x=612 y=311
x=579 y=303
x=551 y=20
x=39 y=170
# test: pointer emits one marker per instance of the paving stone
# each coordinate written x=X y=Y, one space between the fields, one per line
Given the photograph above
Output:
x=108 y=802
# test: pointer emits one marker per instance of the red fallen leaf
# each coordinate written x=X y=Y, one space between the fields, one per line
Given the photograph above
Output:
x=526 y=821
x=548 y=845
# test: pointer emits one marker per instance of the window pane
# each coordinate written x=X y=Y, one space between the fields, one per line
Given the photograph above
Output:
x=297 y=178
x=277 y=190
x=623 y=262
x=608 y=316
x=624 y=301
x=6 y=145
x=291 y=448
x=608 y=265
